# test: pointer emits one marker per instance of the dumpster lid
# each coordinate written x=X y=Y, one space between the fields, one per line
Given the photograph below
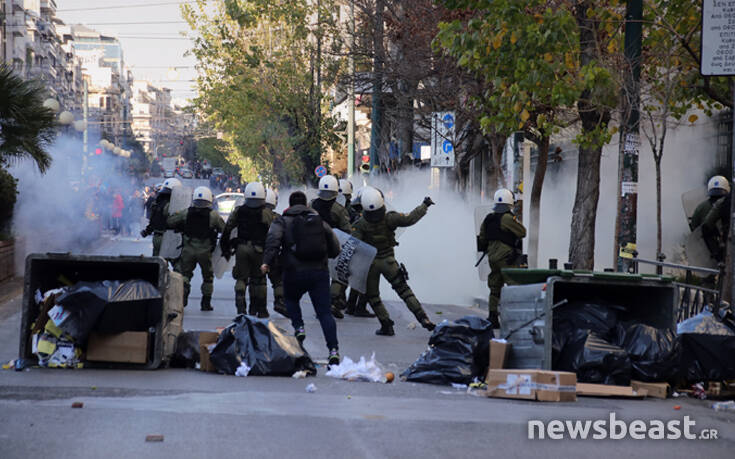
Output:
x=535 y=276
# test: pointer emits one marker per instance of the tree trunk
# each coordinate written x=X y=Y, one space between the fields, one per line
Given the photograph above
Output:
x=404 y=102
x=659 y=230
x=535 y=209
x=376 y=115
x=584 y=213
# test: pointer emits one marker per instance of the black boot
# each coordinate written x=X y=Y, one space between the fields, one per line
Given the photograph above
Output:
x=427 y=323
x=386 y=328
x=207 y=303
x=494 y=319
x=337 y=313
x=240 y=304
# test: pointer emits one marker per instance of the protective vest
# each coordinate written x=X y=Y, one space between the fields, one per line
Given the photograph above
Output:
x=158 y=218
x=493 y=231
x=197 y=223
x=250 y=226
x=324 y=208
x=380 y=236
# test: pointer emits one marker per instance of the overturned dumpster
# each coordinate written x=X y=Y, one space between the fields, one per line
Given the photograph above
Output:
x=578 y=321
x=105 y=311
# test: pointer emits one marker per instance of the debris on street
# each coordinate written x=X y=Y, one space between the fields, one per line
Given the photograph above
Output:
x=311 y=388
x=77 y=405
x=260 y=344
x=362 y=370
x=545 y=386
x=242 y=370
x=458 y=351
x=724 y=406
x=154 y=438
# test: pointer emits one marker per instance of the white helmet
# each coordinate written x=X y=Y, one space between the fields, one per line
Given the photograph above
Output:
x=718 y=186
x=203 y=195
x=328 y=187
x=503 y=196
x=371 y=199
x=345 y=186
x=271 y=197
x=254 y=194
x=171 y=183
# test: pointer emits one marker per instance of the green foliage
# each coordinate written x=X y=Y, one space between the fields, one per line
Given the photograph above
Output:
x=216 y=152
x=8 y=196
x=27 y=128
x=529 y=55
x=261 y=81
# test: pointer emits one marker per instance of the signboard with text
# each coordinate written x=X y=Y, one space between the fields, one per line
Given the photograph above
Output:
x=718 y=38
x=442 y=139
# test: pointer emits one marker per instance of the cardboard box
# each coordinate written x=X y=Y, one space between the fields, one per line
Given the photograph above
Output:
x=499 y=351
x=604 y=390
x=126 y=347
x=655 y=390
x=542 y=385
x=206 y=339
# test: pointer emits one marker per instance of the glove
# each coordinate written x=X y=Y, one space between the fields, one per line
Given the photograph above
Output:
x=428 y=202
x=143 y=234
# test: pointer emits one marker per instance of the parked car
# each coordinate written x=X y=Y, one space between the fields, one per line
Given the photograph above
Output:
x=225 y=203
x=186 y=173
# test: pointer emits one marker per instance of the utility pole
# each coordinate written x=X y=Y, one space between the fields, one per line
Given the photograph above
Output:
x=626 y=225
x=376 y=114
x=351 y=98
x=85 y=135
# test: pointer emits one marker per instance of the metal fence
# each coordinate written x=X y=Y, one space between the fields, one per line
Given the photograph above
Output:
x=693 y=299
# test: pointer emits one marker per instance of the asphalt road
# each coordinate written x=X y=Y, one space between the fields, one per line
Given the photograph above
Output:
x=209 y=415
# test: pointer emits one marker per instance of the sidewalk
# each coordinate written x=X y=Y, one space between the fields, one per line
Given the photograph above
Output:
x=9 y=290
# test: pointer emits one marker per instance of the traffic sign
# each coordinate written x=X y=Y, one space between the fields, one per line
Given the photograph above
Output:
x=442 y=139
x=718 y=46
x=320 y=171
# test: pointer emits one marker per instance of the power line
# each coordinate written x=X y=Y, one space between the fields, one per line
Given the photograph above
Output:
x=134 y=23
x=139 y=5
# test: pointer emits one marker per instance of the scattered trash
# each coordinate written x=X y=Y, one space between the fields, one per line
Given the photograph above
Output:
x=654 y=353
x=311 y=388
x=458 y=351
x=242 y=370
x=411 y=325
x=724 y=406
x=77 y=405
x=677 y=395
x=154 y=438
x=20 y=365
x=594 y=360
x=261 y=345
x=186 y=354
x=349 y=397
x=677 y=407
x=707 y=347
x=389 y=377
x=460 y=386
x=9 y=366
x=300 y=374
x=439 y=313
x=93 y=387
x=362 y=370
x=698 y=391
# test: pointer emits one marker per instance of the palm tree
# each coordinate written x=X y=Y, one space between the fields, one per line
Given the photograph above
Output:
x=27 y=128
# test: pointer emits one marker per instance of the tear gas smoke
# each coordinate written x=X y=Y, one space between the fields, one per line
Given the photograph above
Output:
x=439 y=250
x=63 y=210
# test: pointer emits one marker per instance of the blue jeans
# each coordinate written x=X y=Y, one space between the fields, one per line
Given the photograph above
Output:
x=316 y=284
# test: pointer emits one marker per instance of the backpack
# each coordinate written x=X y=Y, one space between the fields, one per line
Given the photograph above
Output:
x=310 y=239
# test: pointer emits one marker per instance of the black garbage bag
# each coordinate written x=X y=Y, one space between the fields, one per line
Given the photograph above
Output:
x=136 y=305
x=458 y=352
x=186 y=354
x=654 y=353
x=83 y=303
x=260 y=344
x=707 y=349
x=595 y=360
x=599 y=317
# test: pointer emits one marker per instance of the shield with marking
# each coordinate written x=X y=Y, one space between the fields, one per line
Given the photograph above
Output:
x=220 y=264
x=171 y=243
x=352 y=265
x=696 y=251
x=691 y=199
x=483 y=270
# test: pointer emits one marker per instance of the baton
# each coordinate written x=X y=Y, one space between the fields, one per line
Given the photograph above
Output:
x=480 y=260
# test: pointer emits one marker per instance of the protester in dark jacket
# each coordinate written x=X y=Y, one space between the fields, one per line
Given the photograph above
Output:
x=304 y=272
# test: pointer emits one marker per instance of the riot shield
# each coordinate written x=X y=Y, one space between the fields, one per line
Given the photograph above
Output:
x=352 y=265
x=691 y=199
x=696 y=251
x=171 y=243
x=483 y=269
x=341 y=200
x=220 y=264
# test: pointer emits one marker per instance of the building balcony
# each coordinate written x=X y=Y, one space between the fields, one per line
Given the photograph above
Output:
x=18 y=6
